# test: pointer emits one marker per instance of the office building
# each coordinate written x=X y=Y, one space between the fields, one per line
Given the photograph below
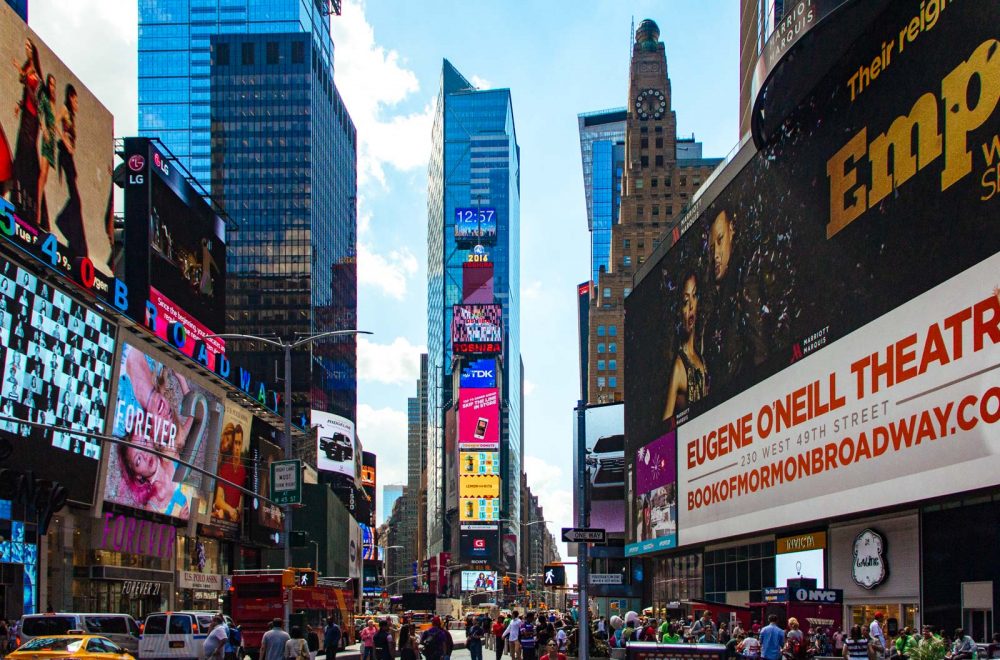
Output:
x=602 y=153
x=390 y=493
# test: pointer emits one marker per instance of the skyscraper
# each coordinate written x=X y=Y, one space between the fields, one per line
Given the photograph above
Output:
x=474 y=171
x=244 y=96
x=602 y=153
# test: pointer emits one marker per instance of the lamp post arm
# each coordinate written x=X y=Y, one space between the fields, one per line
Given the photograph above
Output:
x=227 y=335
x=323 y=335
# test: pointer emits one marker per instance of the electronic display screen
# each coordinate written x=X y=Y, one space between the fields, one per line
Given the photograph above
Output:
x=479 y=374
x=57 y=365
x=479 y=225
x=477 y=329
x=266 y=519
x=479 y=418
x=479 y=581
x=478 y=547
x=479 y=463
x=479 y=509
x=234 y=453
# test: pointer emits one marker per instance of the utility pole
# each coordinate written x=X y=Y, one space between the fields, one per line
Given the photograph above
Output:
x=582 y=553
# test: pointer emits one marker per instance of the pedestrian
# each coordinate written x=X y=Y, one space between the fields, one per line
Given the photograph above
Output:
x=795 y=640
x=234 y=644
x=331 y=639
x=993 y=650
x=856 y=645
x=432 y=640
x=512 y=633
x=772 y=639
x=272 y=645
x=312 y=641
x=498 y=628
x=838 y=642
x=552 y=652
x=963 y=648
x=368 y=640
x=878 y=635
x=474 y=641
x=699 y=627
x=407 y=643
x=296 y=647
x=383 y=642
x=748 y=647
x=449 y=644
x=526 y=637
x=218 y=637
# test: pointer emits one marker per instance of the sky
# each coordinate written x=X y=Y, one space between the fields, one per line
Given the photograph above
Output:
x=559 y=58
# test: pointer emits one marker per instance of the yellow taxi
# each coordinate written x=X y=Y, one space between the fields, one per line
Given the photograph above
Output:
x=70 y=646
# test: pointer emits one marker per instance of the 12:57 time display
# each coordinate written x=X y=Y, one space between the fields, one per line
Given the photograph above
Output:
x=469 y=216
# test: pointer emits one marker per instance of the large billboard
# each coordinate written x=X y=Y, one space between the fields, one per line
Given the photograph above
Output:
x=472 y=486
x=478 y=374
x=477 y=283
x=656 y=496
x=477 y=329
x=162 y=408
x=478 y=463
x=478 y=225
x=479 y=581
x=336 y=450
x=479 y=546
x=266 y=520
x=56 y=157
x=831 y=307
x=234 y=452
x=479 y=418
x=605 y=460
x=478 y=509
x=56 y=367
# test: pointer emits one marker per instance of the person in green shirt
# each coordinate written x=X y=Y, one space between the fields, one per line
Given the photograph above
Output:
x=669 y=636
x=905 y=642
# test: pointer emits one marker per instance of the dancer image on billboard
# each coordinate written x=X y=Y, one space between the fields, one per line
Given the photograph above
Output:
x=688 y=381
x=26 y=167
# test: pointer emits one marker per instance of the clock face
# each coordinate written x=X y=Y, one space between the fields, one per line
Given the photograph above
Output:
x=650 y=103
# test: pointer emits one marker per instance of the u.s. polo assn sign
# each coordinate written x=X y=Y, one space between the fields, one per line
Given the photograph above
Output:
x=870 y=567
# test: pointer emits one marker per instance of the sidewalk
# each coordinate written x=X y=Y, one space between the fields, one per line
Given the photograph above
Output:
x=353 y=652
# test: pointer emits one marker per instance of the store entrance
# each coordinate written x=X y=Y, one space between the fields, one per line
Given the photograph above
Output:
x=978 y=624
x=897 y=616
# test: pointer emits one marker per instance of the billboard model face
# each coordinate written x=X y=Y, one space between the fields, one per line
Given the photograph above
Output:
x=55 y=366
x=56 y=157
x=479 y=581
x=159 y=407
x=335 y=444
x=605 y=459
x=477 y=225
x=234 y=451
x=479 y=509
x=479 y=463
x=477 y=329
x=479 y=419
x=823 y=261
x=479 y=374
x=656 y=491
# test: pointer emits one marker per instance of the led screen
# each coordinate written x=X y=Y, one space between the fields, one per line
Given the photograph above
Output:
x=161 y=408
x=656 y=496
x=478 y=463
x=234 y=453
x=479 y=581
x=266 y=519
x=604 y=453
x=478 y=546
x=335 y=445
x=479 y=509
x=479 y=418
x=56 y=366
x=477 y=329
x=474 y=486
x=477 y=283
x=792 y=565
x=476 y=224
x=479 y=374
x=367 y=542
x=56 y=158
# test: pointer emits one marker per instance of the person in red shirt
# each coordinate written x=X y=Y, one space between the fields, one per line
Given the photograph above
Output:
x=552 y=652
x=228 y=503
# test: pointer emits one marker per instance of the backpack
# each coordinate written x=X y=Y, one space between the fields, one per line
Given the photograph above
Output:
x=795 y=647
x=433 y=647
x=235 y=637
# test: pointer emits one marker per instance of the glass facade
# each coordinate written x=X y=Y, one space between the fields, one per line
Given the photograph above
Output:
x=475 y=162
x=746 y=568
x=602 y=152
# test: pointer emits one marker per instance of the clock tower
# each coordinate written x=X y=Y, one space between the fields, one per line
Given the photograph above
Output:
x=661 y=174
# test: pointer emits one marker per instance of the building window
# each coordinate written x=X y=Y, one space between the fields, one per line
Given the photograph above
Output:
x=659 y=143
x=246 y=54
x=640 y=210
x=659 y=129
x=628 y=243
x=644 y=143
x=612 y=366
x=656 y=209
x=638 y=182
x=600 y=348
x=222 y=54
x=600 y=331
x=659 y=161
x=613 y=381
x=298 y=52
x=644 y=160
x=643 y=130
x=612 y=347
x=656 y=182
x=272 y=52
x=613 y=330
x=600 y=381
x=627 y=260
x=607 y=294
x=670 y=210
x=642 y=259
x=628 y=290
x=600 y=365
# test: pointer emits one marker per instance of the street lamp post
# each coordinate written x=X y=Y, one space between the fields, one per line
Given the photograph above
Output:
x=287 y=346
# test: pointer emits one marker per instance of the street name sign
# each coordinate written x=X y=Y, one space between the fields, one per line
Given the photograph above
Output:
x=286 y=482
x=605 y=578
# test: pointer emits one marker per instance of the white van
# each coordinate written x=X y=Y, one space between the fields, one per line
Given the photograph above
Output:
x=119 y=628
x=175 y=635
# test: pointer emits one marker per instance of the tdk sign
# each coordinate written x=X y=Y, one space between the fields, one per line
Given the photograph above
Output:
x=479 y=374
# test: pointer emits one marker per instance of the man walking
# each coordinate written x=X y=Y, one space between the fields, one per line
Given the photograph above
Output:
x=272 y=645
x=772 y=639
x=218 y=637
x=513 y=635
x=876 y=633
x=331 y=639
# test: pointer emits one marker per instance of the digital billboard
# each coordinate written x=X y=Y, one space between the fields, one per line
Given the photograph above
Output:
x=656 y=496
x=234 y=453
x=56 y=365
x=478 y=462
x=476 y=224
x=367 y=542
x=604 y=452
x=477 y=329
x=159 y=407
x=479 y=418
x=478 y=374
x=266 y=520
x=56 y=158
x=176 y=270
x=473 y=486
x=479 y=509
x=335 y=445
x=478 y=546
x=836 y=298
x=477 y=283
x=479 y=581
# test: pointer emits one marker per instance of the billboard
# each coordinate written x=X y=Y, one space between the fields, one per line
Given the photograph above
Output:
x=56 y=158
x=473 y=486
x=479 y=509
x=477 y=329
x=478 y=546
x=367 y=542
x=55 y=366
x=234 y=453
x=162 y=408
x=479 y=418
x=478 y=463
x=861 y=237
x=478 y=374
x=368 y=481
x=354 y=551
x=336 y=445
x=479 y=581
x=604 y=451
x=266 y=520
x=478 y=225
x=477 y=283
x=656 y=495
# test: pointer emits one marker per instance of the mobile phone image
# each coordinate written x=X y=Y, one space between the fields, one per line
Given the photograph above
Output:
x=481 y=428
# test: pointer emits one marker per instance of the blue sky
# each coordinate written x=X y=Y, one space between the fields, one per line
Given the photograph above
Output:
x=559 y=58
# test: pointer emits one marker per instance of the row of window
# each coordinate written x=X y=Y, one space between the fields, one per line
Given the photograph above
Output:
x=612 y=348
x=611 y=382
x=611 y=330
x=612 y=365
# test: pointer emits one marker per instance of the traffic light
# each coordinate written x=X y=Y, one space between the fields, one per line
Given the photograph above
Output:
x=555 y=575
x=506 y=583
x=520 y=584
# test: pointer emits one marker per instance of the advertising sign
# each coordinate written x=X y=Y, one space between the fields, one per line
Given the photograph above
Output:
x=479 y=581
x=355 y=562
x=368 y=479
x=477 y=283
x=479 y=463
x=56 y=158
x=473 y=486
x=55 y=366
x=367 y=542
x=656 y=490
x=476 y=224
x=477 y=329
x=267 y=519
x=479 y=418
x=605 y=461
x=234 y=453
x=478 y=546
x=852 y=256
x=479 y=374
x=335 y=445
x=160 y=407
x=479 y=509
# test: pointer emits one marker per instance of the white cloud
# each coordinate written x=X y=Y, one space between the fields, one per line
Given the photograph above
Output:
x=529 y=387
x=533 y=291
x=388 y=273
x=552 y=484
x=383 y=431
x=397 y=363
x=373 y=80
x=481 y=83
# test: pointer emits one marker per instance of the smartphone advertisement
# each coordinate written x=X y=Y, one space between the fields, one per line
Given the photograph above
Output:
x=479 y=418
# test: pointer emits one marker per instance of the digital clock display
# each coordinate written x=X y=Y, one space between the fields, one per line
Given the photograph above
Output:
x=476 y=224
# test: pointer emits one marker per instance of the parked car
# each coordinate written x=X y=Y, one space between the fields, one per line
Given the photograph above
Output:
x=169 y=635
x=121 y=629
x=70 y=647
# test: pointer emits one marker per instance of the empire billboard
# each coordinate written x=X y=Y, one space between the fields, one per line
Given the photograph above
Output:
x=819 y=331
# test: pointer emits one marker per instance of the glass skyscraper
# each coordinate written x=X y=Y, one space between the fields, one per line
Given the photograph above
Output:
x=474 y=162
x=602 y=151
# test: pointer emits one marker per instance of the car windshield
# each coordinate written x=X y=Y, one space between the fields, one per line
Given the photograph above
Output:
x=69 y=644
x=36 y=626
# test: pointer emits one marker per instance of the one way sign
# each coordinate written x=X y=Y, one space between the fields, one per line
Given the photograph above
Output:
x=583 y=535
